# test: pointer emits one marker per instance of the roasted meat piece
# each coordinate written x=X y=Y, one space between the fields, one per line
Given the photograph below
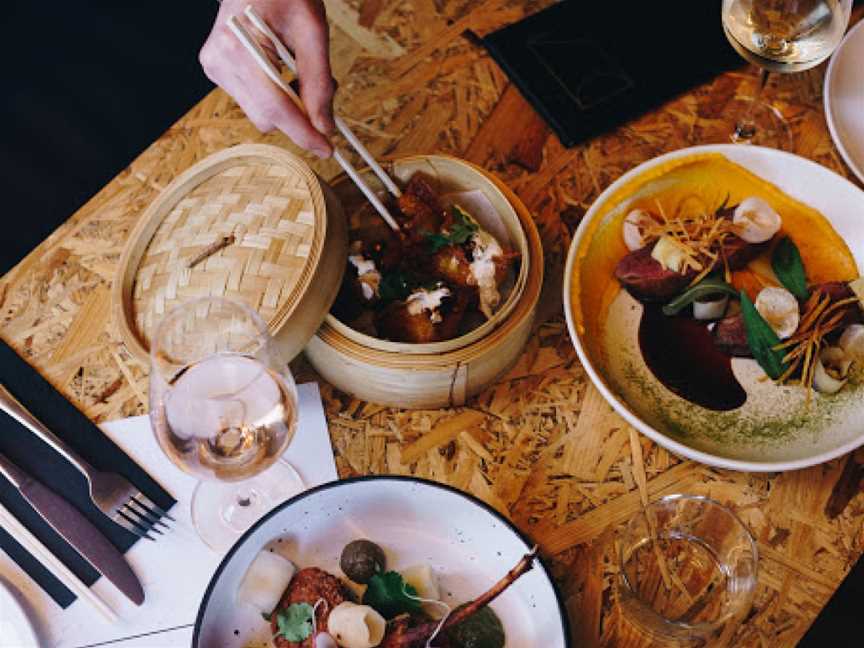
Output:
x=647 y=280
x=425 y=316
x=838 y=290
x=421 y=210
x=730 y=335
x=308 y=586
x=451 y=264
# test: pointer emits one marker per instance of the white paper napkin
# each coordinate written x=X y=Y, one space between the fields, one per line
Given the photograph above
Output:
x=174 y=570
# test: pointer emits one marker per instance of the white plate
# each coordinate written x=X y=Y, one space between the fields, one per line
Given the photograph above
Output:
x=15 y=628
x=469 y=546
x=842 y=203
x=844 y=99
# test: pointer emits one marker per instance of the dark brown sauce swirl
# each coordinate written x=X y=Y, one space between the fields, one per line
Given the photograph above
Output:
x=681 y=354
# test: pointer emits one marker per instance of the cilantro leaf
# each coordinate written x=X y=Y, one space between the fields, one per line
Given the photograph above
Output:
x=460 y=232
x=390 y=595
x=295 y=622
x=437 y=241
x=396 y=285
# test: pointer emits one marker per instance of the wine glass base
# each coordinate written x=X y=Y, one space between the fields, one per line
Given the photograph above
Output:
x=223 y=511
x=760 y=124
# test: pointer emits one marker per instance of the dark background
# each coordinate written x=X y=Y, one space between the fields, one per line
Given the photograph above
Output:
x=87 y=85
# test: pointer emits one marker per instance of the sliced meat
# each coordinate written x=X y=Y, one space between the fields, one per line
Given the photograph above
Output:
x=838 y=290
x=308 y=586
x=647 y=280
x=730 y=335
x=739 y=252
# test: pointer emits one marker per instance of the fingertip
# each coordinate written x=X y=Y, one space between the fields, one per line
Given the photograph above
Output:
x=324 y=123
x=322 y=151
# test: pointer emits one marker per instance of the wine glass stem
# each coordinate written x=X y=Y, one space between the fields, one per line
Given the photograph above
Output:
x=244 y=507
x=746 y=129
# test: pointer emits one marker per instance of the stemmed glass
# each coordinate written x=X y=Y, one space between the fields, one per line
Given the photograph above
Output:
x=779 y=36
x=223 y=406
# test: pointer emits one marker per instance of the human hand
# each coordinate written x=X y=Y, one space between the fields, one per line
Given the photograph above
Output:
x=302 y=26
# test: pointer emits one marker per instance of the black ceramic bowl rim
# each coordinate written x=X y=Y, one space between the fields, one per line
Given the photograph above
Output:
x=562 y=612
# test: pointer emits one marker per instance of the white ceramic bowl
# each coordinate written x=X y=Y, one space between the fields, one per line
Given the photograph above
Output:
x=468 y=544
x=842 y=203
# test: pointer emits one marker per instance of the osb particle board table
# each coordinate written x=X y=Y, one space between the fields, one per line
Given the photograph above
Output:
x=541 y=446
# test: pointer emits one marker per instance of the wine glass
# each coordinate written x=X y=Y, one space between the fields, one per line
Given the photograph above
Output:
x=779 y=36
x=223 y=406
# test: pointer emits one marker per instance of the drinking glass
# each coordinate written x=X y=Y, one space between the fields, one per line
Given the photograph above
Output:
x=687 y=571
x=779 y=36
x=223 y=406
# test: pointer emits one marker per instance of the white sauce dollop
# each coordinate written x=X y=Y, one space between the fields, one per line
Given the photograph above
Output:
x=486 y=248
x=368 y=275
x=427 y=300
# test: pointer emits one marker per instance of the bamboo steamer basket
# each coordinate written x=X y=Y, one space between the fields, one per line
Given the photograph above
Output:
x=286 y=225
x=445 y=373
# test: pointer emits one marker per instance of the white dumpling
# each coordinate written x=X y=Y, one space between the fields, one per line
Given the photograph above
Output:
x=422 y=579
x=356 y=626
x=266 y=579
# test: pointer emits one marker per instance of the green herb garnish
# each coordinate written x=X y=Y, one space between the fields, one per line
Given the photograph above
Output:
x=787 y=265
x=463 y=228
x=295 y=622
x=390 y=595
x=396 y=286
x=762 y=340
x=705 y=288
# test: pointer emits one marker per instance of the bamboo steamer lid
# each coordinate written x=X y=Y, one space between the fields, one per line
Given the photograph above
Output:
x=251 y=223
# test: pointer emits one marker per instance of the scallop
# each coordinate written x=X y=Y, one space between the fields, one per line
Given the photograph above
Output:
x=756 y=220
x=779 y=308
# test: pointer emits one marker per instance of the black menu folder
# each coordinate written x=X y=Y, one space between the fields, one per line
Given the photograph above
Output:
x=587 y=67
x=42 y=462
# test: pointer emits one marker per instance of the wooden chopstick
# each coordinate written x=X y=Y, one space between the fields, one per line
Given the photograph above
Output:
x=61 y=572
x=264 y=63
x=347 y=133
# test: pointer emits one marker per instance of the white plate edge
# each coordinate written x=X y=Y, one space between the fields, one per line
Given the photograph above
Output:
x=659 y=438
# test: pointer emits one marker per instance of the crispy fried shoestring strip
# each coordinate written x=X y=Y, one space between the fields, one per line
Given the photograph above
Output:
x=700 y=237
x=820 y=318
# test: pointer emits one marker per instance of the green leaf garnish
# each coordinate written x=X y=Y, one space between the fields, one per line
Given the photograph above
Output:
x=390 y=595
x=762 y=339
x=787 y=265
x=396 y=286
x=295 y=622
x=437 y=241
x=463 y=228
x=705 y=288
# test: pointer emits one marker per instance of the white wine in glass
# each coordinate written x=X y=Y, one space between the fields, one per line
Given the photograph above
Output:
x=223 y=406
x=780 y=36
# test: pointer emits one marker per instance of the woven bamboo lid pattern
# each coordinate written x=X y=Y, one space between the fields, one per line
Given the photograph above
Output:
x=246 y=224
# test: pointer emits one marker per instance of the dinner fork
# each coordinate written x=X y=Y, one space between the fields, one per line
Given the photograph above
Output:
x=111 y=493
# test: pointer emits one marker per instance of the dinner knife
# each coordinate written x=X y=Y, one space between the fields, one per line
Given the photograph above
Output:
x=77 y=530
